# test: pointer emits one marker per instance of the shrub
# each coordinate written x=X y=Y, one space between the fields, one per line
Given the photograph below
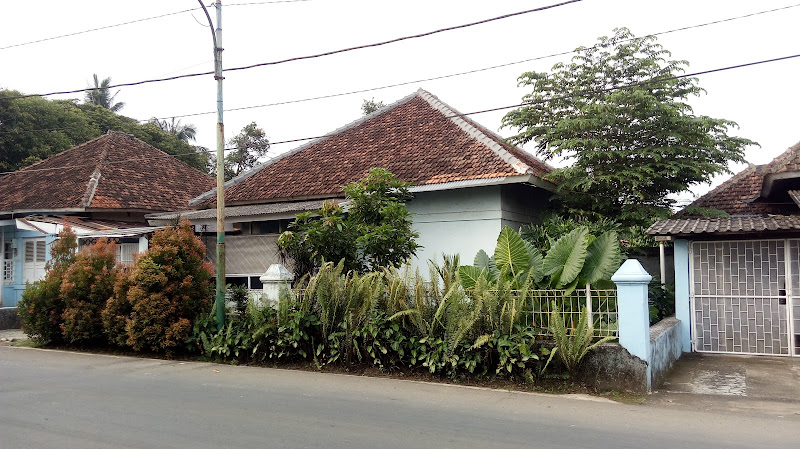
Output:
x=41 y=308
x=87 y=285
x=169 y=286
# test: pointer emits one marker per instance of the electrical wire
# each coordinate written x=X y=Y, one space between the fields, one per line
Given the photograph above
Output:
x=76 y=33
x=447 y=117
x=452 y=75
x=301 y=58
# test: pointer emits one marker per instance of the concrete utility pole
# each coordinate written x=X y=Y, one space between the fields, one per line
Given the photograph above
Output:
x=220 y=296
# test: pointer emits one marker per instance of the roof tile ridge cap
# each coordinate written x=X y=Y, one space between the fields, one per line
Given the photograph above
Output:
x=203 y=197
x=782 y=159
x=151 y=148
x=455 y=116
x=68 y=150
x=749 y=170
x=94 y=178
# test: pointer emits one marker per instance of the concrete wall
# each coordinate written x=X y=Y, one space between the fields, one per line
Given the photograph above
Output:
x=682 y=303
x=9 y=318
x=610 y=367
x=665 y=348
x=522 y=204
x=461 y=221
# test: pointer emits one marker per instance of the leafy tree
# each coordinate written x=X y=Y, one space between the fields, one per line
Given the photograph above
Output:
x=621 y=116
x=32 y=129
x=374 y=232
x=370 y=106
x=249 y=146
x=100 y=95
x=184 y=132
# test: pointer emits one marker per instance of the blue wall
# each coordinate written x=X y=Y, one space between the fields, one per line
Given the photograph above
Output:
x=12 y=293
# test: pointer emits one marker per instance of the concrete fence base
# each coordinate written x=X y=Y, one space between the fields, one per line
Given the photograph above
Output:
x=9 y=318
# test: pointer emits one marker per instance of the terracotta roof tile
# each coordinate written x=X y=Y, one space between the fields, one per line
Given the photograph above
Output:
x=85 y=177
x=419 y=139
x=741 y=194
x=728 y=225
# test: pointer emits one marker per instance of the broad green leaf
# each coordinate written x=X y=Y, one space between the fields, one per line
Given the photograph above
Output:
x=483 y=261
x=535 y=260
x=511 y=252
x=566 y=257
x=602 y=258
x=469 y=275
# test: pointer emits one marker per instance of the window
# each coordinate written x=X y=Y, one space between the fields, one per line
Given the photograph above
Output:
x=125 y=252
x=8 y=262
x=34 y=265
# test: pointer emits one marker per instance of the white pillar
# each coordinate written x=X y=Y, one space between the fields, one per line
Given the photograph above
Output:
x=276 y=280
x=633 y=310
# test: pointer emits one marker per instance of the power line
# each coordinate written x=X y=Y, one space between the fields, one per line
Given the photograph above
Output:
x=301 y=58
x=405 y=83
x=447 y=117
x=469 y=72
x=76 y=33
x=96 y=29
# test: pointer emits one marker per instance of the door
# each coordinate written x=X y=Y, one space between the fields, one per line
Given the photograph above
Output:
x=34 y=262
x=741 y=296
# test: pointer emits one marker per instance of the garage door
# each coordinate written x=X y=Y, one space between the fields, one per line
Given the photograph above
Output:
x=743 y=297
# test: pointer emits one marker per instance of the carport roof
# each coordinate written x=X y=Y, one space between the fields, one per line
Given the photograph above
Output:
x=729 y=225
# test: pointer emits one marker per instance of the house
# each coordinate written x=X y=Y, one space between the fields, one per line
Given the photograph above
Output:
x=101 y=188
x=737 y=277
x=467 y=181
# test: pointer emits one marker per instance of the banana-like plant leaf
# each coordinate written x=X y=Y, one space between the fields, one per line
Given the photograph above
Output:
x=535 y=259
x=483 y=261
x=566 y=257
x=602 y=258
x=469 y=275
x=511 y=252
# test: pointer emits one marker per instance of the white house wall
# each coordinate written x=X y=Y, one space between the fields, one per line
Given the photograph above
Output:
x=461 y=221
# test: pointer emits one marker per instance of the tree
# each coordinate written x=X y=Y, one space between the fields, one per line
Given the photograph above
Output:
x=22 y=121
x=36 y=128
x=249 y=146
x=186 y=132
x=375 y=230
x=100 y=95
x=619 y=113
x=370 y=106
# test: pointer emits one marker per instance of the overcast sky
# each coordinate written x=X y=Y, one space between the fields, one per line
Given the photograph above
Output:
x=762 y=99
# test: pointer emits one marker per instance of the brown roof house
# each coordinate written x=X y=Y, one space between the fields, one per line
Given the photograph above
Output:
x=737 y=262
x=103 y=187
x=468 y=182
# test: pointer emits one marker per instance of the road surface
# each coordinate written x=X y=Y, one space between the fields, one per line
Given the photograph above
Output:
x=52 y=399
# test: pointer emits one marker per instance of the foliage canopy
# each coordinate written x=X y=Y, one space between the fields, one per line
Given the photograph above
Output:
x=619 y=113
x=375 y=230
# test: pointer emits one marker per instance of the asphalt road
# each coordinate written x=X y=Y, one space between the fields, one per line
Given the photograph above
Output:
x=51 y=399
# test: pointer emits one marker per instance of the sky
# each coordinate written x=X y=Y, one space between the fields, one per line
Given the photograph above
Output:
x=762 y=99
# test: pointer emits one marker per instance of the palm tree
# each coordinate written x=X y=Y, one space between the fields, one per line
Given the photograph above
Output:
x=101 y=96
x=176 y=128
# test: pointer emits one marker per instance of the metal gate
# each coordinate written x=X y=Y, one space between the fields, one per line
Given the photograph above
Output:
x=745 y=297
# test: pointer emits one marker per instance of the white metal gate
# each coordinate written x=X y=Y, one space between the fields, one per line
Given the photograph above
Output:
x=745 y=296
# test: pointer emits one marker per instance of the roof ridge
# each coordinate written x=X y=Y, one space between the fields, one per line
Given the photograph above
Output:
x=747 y=171
x=784 y=158
x=243 y=176
x=475 y=132
x=94 y=178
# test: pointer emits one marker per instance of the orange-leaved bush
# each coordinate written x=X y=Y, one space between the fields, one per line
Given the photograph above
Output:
x=87 y=285
x=169 y=286
x=41 y=308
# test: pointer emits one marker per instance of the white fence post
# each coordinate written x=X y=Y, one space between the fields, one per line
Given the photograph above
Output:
x=276 y=279
x=633 y=310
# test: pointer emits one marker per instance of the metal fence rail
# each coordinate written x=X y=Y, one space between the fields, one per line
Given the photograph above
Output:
x=600 y=304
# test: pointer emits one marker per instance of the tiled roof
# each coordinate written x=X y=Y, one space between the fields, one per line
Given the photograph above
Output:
x=242 y=211
x=87 y=177
x=728 y=225
x=419 y=139
x=741 y=194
